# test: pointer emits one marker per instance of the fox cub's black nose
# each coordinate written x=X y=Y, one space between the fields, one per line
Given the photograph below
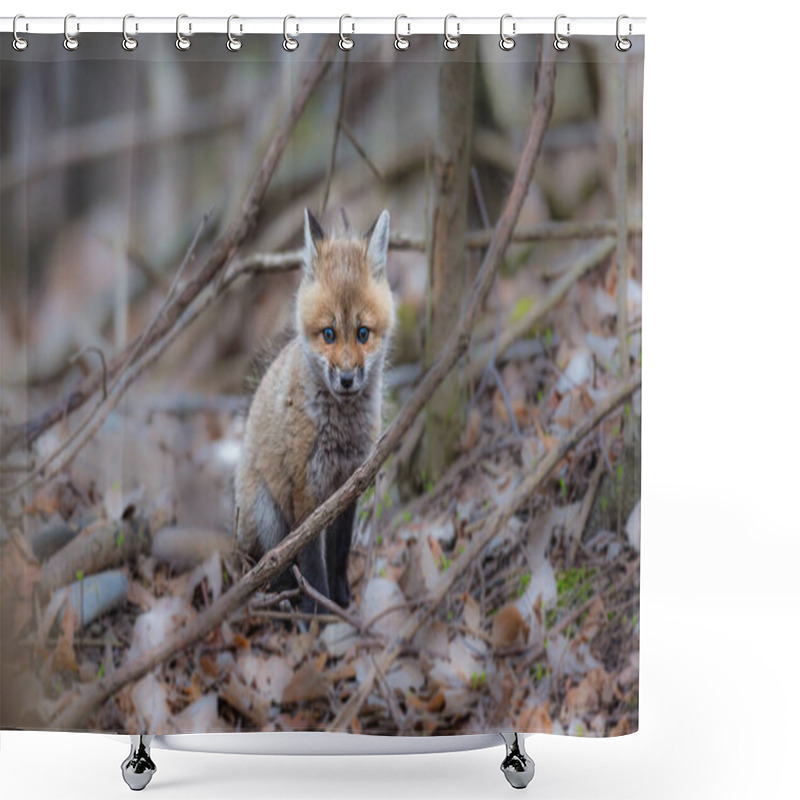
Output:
x=346 y=379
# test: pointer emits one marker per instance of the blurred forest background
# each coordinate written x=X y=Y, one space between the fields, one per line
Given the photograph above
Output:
x=118 y=172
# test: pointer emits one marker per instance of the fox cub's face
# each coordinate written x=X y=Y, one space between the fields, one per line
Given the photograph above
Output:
x=345 y=310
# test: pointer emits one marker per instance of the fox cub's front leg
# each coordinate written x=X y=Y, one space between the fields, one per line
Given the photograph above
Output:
x=337 y=550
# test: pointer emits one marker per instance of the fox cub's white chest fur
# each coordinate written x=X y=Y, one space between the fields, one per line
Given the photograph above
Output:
x=317 y=411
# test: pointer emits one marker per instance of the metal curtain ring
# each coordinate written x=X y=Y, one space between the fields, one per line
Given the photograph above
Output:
x=622 y=44
x=506 y=41
x=19 y=43
x=128 y=42
x=182 y=42
x=233 y=44
x=401 y=42
x=290 y=44
x=345 y=42
x=560 y=43
x=451 y=42
x=70 y=42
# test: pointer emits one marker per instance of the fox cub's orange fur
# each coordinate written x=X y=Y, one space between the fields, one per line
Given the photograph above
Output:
x=317 y=411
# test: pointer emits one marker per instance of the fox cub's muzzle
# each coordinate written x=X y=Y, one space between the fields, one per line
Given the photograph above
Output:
x=346 y=381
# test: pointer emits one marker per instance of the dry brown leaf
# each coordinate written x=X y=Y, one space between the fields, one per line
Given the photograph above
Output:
x=508 y=627
x=594 y=691
x=596 y=619
x=209 y=666
x=519 y=408
x=472 y=430
x=306 y=684
x=320 y=661
x=436 y=703
x=21 y=576
x=549 y=442
x=421 y=573
x=346 y=672
x=602 y=683
x=416 y=702
x=64 y=653
x=535 y=719
x=622 y=728
x=139 y=596
x=580 y=700
x=436 y=551
x=630 y=674
x=241 y=642
x=45 y=501
x=472 y=613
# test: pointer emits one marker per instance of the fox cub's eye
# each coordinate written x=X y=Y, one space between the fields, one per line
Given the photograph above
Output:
x=329 y=335
x=363 y=334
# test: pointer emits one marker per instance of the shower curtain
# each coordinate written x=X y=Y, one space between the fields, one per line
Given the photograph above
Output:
x=459 y=230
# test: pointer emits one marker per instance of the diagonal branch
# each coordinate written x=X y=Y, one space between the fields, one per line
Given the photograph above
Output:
x=277 y=559
x=239 y=231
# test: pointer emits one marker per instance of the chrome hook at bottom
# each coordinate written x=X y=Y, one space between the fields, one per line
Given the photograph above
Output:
x=517 y=766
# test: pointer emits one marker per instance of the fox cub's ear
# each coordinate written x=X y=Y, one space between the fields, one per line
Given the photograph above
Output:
x=312 y=233
x=378 y=244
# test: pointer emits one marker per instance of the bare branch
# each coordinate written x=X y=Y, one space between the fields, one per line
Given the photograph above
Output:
x=622 y=217
x=336 y=128
x=335 y=609
x=99 y=353
x=348 y=132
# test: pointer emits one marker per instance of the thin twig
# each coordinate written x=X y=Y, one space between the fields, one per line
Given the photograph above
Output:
x=98 y=352
x=325 y=602
x=360 y=150
x=337 y=126
x=586 y=507
x=622 y=216
x=369 y=563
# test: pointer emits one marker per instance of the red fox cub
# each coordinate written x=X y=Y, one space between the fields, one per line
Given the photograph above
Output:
x=317 y=412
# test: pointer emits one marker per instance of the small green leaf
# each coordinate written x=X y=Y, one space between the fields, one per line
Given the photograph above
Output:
x=521 y=308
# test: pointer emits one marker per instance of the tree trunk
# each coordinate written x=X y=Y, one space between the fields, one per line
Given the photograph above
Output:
x=448 y=255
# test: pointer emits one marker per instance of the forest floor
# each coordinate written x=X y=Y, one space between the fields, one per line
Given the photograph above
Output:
x=541 y=634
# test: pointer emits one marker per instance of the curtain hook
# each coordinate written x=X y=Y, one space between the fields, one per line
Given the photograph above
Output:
x=19 y=43
x=622 y=44
x=507 y=42
x=290 y=44
x=401 y=42
x=70 y=42
x=345 y=42
x=560 y=43
x=233 y=43
x=182 y=42
x=128 y=42
x=451 y=42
